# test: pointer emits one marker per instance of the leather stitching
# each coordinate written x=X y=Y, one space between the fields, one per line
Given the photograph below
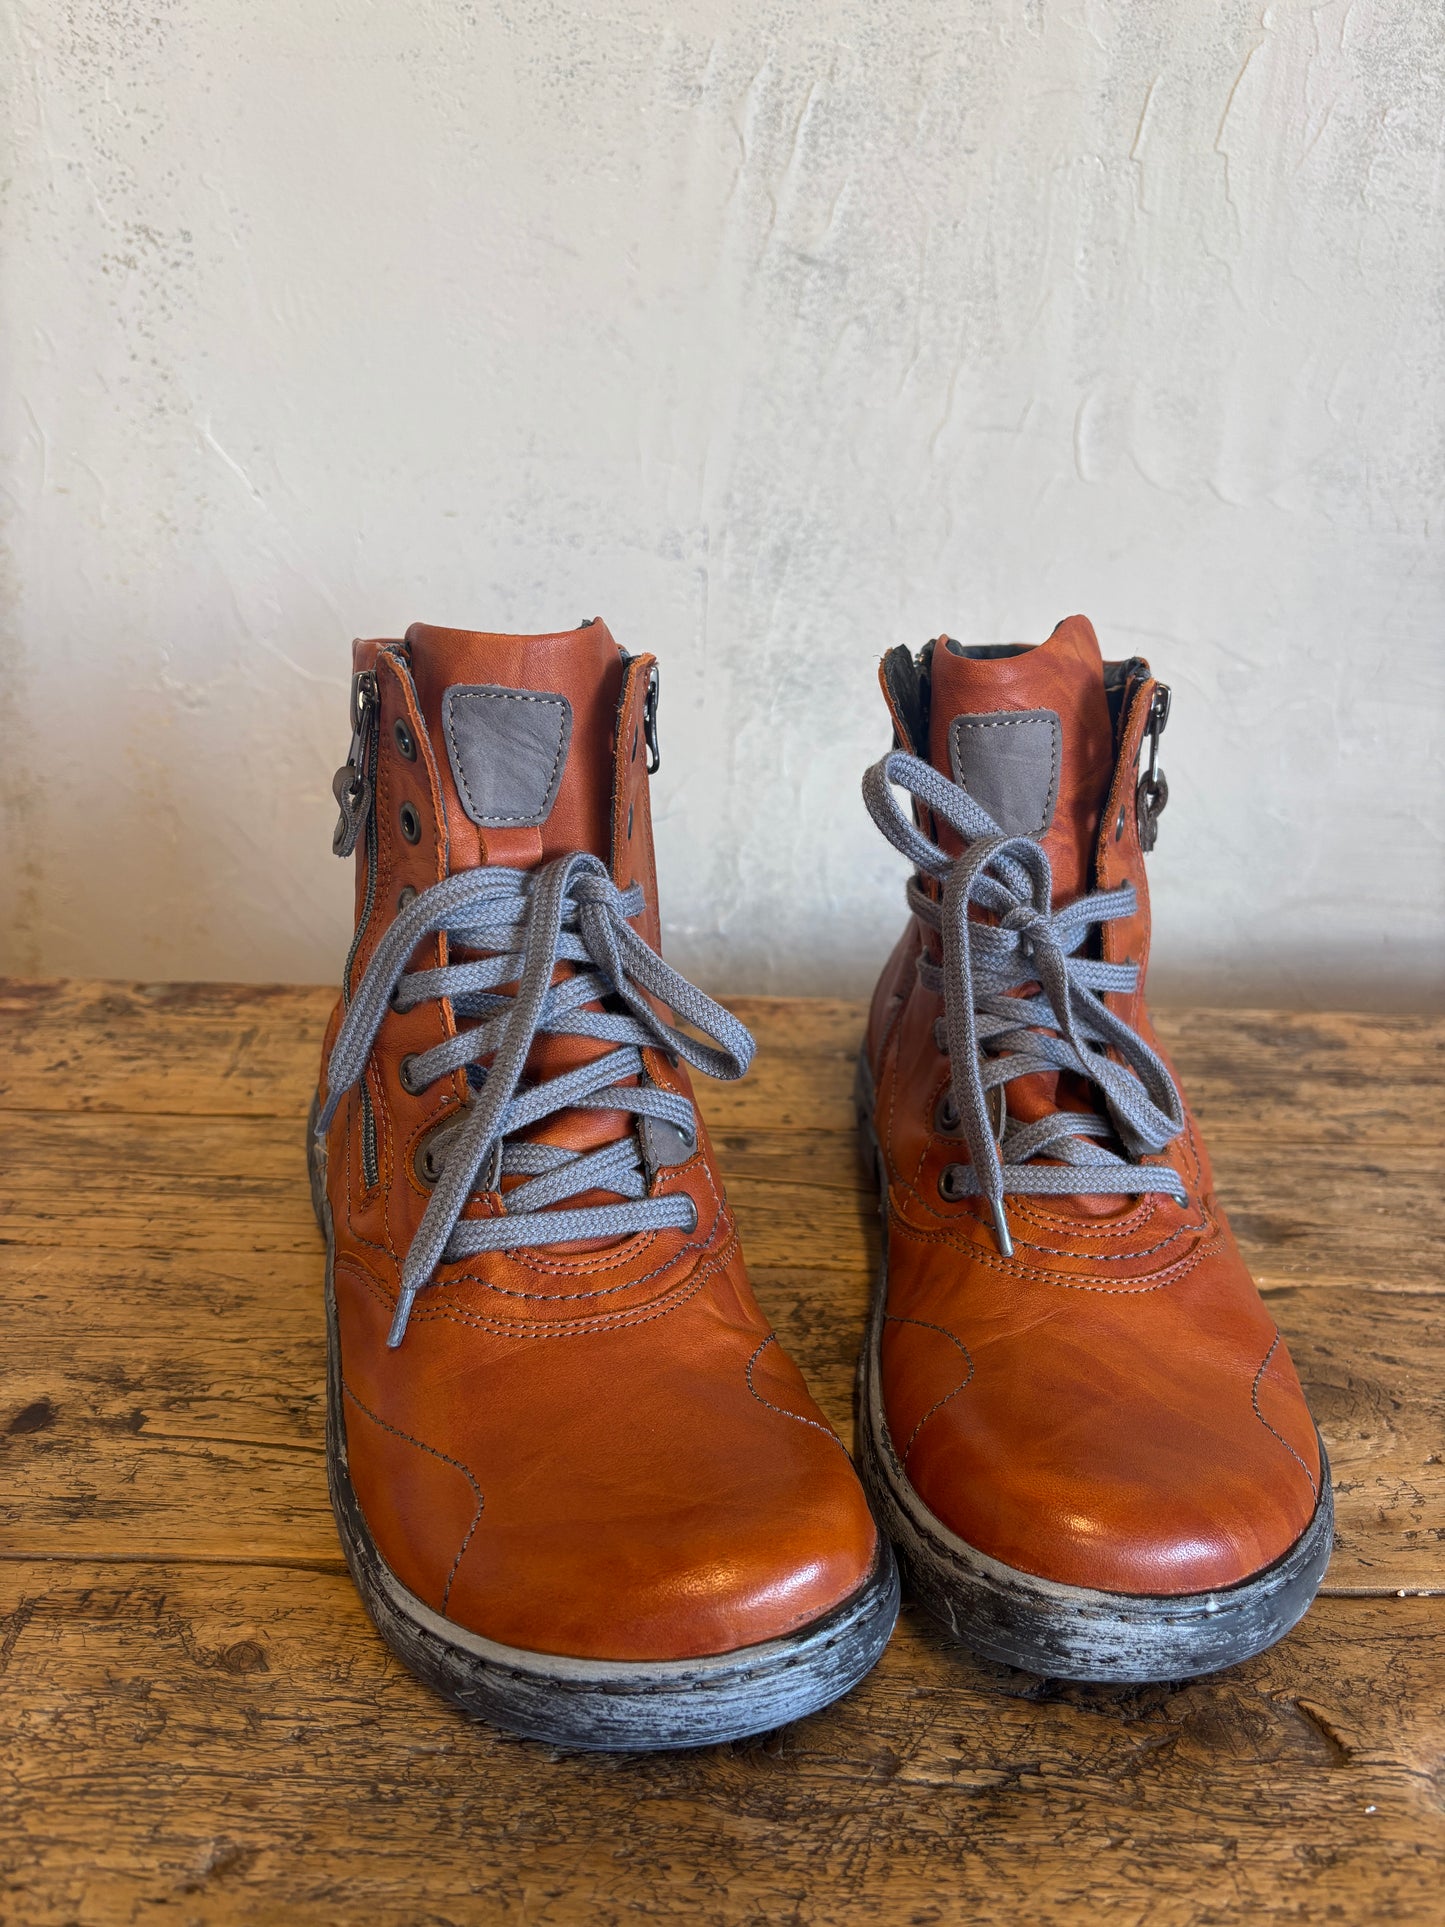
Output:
x=826 y=1430
x=640 y=1242
x=446 y=1459
x=1171 y=1275
x=1115 y=1228
x=455 y=697
x=1206 y=1225
x=962 y=1385
x=562 y=1327
x=602 y=1260
x=1254 y=1400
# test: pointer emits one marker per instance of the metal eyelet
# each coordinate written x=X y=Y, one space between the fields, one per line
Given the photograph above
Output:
x=409 y=822
x=407 y=1078
x=947 y=1181
x=428 y=1160
x=405 y=895
x=945 y=1116
x=405 y=741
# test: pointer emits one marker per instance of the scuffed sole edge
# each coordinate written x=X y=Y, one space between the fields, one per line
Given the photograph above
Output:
x=596 y=1705
x=1058 y=1631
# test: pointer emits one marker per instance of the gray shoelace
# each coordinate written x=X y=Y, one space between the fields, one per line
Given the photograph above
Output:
x=992 y=1036
x=527 y=922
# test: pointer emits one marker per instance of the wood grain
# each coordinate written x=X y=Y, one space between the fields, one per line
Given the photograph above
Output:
x=197 y=1723
x=208 y=1746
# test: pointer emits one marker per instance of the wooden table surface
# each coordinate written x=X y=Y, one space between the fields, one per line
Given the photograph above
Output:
x=197 y=1722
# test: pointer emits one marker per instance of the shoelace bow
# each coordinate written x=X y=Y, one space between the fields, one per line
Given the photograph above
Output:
x=992 y=1036
x=527 y=922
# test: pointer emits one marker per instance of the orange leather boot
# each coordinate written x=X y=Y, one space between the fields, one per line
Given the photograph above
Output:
x=580 y=1487
x=1078 y=1420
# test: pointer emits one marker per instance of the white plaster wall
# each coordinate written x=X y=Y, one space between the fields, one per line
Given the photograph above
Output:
x=777 y=333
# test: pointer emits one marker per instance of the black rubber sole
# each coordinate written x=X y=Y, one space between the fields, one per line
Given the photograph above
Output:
x=1065 y=1632
x=598 y=1705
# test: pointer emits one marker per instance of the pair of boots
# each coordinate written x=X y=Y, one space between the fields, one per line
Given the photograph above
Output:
x=581 y=1487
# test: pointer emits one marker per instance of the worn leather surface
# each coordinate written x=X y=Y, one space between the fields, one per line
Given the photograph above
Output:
x=596 y=1451
x=1113 y=1406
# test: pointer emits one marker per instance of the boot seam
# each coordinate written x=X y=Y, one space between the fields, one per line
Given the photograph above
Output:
x=978 y=1254
x=578 y=1266
x=561 y=1328
x=1254 y=1401
x=1207 y=1225
x=446 y=1459
x=962 y=1386
x=799 y=1417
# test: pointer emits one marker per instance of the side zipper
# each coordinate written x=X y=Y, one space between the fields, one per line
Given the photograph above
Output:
x=354 y=789
x=1153 y=790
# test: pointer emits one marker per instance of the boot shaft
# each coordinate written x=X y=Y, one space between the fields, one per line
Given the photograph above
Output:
x=1051 y=740
x=472 y=748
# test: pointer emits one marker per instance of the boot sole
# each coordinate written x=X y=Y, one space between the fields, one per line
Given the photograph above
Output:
x=595 y=1704
x=1039 y=1625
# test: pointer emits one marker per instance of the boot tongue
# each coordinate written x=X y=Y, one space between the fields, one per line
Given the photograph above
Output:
x=1027 y=732
x=523 y=729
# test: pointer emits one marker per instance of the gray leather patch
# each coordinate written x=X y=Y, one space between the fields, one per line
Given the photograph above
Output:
x=507 y=749
x=1008 y=762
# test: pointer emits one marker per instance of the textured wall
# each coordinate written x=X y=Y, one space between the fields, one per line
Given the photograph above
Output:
x=777 y=333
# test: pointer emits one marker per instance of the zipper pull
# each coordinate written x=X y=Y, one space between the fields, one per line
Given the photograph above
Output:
x=649 y=722
x=1153 y=792
x=351 y=785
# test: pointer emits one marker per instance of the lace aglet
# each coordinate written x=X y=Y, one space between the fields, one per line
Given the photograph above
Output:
x=399 y=1318
x=1000 y=1228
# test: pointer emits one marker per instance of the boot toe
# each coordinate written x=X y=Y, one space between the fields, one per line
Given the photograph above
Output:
x=703 y=1577
x=1147 y=1494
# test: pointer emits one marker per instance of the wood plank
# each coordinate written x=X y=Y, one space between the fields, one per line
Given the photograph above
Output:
x=248 y=1049
x=203 y=1050
x=239 y=1745
x=183 y=1412
x=1303 y=1217
x=198 y=1720
x=1313 y=1121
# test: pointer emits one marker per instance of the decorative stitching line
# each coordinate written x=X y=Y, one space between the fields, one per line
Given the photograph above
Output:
x=1025 y=1201
x=826 y=1430
x=1254 y=1401
x=637 y=1243
x=446 y=1459
x=1036 y=1275
x=562 y=1327
x=1145 y=1210
x=943 y=1331
x=1102 y=1257
x=564 y=737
